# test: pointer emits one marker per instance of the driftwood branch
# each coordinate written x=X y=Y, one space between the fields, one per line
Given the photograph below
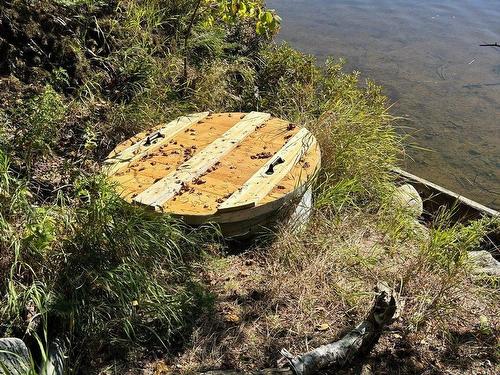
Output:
x=358 y=341
x=490 y=45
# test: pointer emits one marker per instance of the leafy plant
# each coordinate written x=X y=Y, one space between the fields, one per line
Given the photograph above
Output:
x=38 y=124
x=267 y=22
x=116 y=274
x=229 y=11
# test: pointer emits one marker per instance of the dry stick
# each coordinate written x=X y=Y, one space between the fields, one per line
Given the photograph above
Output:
x=186 y=37
x=358 y=341
x=490 y=45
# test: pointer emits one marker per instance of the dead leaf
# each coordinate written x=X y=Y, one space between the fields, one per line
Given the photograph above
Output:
x=232 y=318
x=322 y=327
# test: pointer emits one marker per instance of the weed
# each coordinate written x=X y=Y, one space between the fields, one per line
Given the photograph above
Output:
x=116 y=275
x=38 y=124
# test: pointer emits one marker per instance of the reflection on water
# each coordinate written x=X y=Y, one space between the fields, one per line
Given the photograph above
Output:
x=426 y=54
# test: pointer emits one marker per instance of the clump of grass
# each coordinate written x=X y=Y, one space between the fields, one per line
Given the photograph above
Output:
x=37 y=124
x=107 y=273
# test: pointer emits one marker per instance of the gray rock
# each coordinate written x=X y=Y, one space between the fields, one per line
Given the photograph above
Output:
x=485 y=263
x=407 y=196
x=14 y=357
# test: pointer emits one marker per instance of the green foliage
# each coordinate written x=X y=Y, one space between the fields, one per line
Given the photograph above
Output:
x=141 y=20
x=13 y=193
x=450 y=242
x=207 y=44
x=59 y=79
x=338 y=195
x=107 y=272
x=359 y=145
x=38 y=124
x=128 y=264
x=267 y=22
x=116 y=277
x=135 y=69
x=287 y=83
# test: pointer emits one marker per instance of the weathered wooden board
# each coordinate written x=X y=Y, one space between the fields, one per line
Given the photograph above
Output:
x=166 y=188
x=435 y=196
x=271 y=173
x=118 y=160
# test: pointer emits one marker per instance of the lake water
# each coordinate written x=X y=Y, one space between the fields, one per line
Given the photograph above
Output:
x=427 y=56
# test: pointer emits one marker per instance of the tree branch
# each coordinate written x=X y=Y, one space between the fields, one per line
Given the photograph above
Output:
x=490 y=45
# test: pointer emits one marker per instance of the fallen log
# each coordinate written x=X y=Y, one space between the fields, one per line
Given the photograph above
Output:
x=357 y=342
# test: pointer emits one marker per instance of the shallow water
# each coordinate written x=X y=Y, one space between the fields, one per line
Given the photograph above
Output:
x=427 y=56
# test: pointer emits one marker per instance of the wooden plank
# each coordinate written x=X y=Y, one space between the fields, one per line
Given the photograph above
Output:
x=236 y=168
x=141 y=148
x=165 y=189
x=170 y=155
x=299 y=175
x=266 y=178
x=432 y=192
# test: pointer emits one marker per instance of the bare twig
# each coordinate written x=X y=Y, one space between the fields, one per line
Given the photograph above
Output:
x=490 y=45
x=188 y=34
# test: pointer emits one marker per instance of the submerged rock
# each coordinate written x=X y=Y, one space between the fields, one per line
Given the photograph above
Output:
x=485 y=263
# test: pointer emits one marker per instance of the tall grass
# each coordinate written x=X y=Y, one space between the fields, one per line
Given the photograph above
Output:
x=107 y=273
x=358 y=140
x=306 y=288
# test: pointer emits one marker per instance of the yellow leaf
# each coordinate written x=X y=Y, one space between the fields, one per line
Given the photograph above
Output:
x=232 y=317
x=322 y=327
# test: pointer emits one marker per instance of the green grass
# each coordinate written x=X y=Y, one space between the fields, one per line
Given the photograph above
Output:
x=98 y=269
x=37 y=121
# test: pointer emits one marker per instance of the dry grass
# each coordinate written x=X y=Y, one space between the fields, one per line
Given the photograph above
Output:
x=307 y=288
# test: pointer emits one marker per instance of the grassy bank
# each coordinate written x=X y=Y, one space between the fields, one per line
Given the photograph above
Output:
x=133 y=292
